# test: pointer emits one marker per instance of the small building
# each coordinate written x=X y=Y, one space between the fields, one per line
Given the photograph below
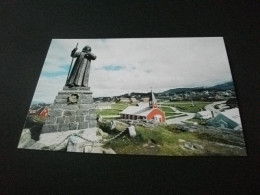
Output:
x=145 y=99
x=228 y=119
x=203 y=115
x=125 y=99
x=133 y=100
x=39 y=111
x=144 y=110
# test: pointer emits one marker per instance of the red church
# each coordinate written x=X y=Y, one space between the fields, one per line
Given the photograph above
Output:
x=144 y=110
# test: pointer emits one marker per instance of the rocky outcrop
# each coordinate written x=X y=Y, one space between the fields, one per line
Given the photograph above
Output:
x=84 y=141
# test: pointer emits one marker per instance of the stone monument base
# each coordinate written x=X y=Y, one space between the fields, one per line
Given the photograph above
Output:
x=73 y=109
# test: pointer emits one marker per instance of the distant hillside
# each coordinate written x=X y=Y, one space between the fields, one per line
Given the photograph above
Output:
x=224 y=86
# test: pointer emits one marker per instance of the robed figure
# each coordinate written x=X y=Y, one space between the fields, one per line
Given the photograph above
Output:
x=80 y=72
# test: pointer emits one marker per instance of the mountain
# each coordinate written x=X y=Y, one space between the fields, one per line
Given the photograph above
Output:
x=223 y=86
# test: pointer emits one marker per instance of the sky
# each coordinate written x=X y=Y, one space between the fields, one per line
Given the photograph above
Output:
x=137 y=65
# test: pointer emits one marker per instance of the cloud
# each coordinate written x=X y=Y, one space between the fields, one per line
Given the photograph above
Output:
x=126 y=65
x=112 y=68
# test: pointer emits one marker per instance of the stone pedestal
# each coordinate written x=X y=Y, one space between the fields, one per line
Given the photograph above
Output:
x=73 y=109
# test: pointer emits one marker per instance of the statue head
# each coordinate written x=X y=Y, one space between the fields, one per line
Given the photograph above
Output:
x=86 y=49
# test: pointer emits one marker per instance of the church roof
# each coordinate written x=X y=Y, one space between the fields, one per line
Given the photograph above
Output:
x=137 y=110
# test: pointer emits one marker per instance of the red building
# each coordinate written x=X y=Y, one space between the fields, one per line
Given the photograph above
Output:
x=144 y=110
x=39 y=111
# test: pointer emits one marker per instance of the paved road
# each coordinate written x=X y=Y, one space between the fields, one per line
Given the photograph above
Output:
x=210 y=107
x=179 y=120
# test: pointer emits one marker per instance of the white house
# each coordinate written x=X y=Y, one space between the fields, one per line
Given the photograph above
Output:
x=228 y=119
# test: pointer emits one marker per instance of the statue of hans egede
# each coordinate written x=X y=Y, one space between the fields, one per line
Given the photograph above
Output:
x=79 y=75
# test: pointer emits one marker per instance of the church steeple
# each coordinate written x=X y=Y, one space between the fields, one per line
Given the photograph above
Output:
x=152 y=100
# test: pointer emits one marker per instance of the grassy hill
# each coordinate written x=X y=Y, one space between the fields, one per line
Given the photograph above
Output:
x=223 y=86
x=168 y=140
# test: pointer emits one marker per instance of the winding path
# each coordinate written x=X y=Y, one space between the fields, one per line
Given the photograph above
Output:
x=178 y=120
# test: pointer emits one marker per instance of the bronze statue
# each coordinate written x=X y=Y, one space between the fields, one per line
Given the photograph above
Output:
x=80 y=72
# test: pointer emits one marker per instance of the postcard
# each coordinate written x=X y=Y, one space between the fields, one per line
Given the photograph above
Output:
x=136 y=96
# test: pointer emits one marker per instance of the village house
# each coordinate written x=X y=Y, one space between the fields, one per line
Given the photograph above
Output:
x=39 y=111
x=144 y=110
x=145 y=99
x=133 y=100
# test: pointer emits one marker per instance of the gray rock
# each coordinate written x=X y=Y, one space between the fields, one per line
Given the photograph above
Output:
x=92 y=123
x=97 y=150
x=100 y=119
x=86 y=101
x=60 y=101
x=113 y=124
x=50 y=128
x=84 y=96
x=102 y=133
x=70 y=119
x=75 y=144
x=50 y=120
x=85 y=106
x=73 y=126
x=90 y=117
x=88 y=149
x=61 y=119
x=92 y=110
x=56 y=106
x=59 y=96
x=63 y=127
x=181 y=140
x=198 y=146
x=70 y=107
x=83 y=125
x=131 y=131
x=80 y=118
x=82 y=112
x=55 y=112
x=69 y=113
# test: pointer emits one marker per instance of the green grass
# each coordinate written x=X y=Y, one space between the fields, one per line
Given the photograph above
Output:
x=165 y=140
x=154 y=141
x=176 y=116
x=186 y=106
x=184 y=102
x=115 y=110
x=120 y=106
x=167 y=110
x=190 y=108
